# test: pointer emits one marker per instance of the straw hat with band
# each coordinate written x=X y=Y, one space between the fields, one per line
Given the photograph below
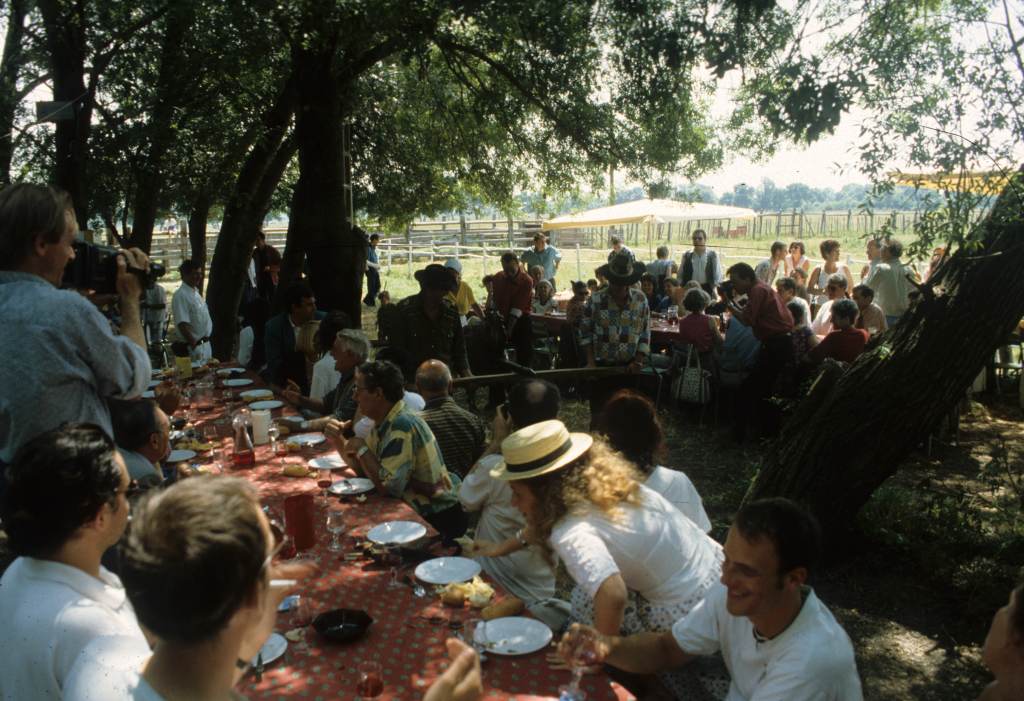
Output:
x=539 y=449
x=622 y=269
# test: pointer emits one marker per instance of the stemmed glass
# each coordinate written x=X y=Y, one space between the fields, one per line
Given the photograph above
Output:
x=273 y=433
x=370 y=684
x=335 y=526
x=392 y=559
x=584 y=654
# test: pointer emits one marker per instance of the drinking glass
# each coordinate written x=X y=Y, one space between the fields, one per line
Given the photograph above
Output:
x=584 y=654
x=392 y=559
x=335 y=526
x=273 y=433
x=370 y=684
x=673 y=314
x=302 y=612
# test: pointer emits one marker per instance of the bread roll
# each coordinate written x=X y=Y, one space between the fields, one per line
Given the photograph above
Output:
x=509 y=607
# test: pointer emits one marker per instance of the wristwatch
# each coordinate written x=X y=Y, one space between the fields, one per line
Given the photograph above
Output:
x=363 y=450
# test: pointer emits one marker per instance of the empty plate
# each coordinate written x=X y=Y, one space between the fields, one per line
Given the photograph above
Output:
x=445 y=570
x=513 y=635
x=238 y=382
x=227 y=372
x=148 y=394
x=301 y=438
x=154 y=383
x=350 y=486
x=267 y=404
x=272 y=649
x=251 y=394
x=396 y=532
x=180 y=456
x=327 y=462
x=293 y=419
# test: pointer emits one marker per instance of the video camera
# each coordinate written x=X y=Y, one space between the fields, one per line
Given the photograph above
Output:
x=95 y=268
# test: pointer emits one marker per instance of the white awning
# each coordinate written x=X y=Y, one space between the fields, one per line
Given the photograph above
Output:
x=647 y=212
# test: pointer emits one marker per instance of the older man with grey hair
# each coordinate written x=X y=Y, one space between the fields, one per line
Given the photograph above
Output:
x=351 y=348
x=460 y=434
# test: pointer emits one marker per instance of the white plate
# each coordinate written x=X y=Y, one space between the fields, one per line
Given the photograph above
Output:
x=180 y=456
x=148 y=394
x=196 y=364
x=396 y=532
x=267 y=404
x=228 y=372
x=513 y=635
x=350 y=486
x=293 y=419
x=302 y=438
x=445 y=570
x=327 y=462
x=154 y=383
x=272 y=649
x=238 y=382
x=256 y=394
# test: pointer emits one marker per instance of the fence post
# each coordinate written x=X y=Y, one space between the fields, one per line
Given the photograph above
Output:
x=778 y=223
x=462 y=231
x=458 y=249
x=408 y=260
x=849 y=220
x=670 y=232
x=579 y=266
x=511 y=234
x=389 y=258
x=408 y=232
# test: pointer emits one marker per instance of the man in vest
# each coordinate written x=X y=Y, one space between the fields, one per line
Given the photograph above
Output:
x=701 y=264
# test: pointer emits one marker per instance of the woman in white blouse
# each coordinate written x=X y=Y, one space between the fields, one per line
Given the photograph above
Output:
x=638 y=563
x=630 y=424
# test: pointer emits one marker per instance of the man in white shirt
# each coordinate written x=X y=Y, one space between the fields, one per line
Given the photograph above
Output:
x=890 y=282
x=65 y=505
x=525 y=573
x=191 y=316
x=768 y=270
x=778 y=640
x=210 y=612
x=701 y=265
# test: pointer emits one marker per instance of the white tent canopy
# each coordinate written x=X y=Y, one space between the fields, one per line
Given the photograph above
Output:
x=647 y=212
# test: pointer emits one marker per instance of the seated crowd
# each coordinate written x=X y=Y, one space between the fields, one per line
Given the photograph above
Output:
x=646 y=588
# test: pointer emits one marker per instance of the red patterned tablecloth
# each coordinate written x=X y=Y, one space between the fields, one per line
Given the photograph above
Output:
x=409 y=648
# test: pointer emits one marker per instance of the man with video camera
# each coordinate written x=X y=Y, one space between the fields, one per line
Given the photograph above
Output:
x=59 y=358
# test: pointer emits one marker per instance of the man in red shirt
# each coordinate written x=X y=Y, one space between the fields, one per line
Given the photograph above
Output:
x=512 y=296
x=845 y=342
x=770 y=320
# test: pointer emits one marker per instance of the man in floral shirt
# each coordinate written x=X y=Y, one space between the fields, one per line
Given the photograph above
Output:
x=616 y=329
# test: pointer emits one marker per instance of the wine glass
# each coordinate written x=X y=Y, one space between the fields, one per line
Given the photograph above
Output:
x=392 y=559
x=584 y=654
x=324 y=482
x=370 y=684
x=673 y=315
x=335 y=526
x=302 y=612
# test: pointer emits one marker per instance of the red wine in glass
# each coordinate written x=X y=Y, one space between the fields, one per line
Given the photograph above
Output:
x=324 y=484
x=370 y=686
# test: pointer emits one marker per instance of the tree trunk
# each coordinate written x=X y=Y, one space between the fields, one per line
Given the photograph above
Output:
x=197 y=233
x=173 y=85
x=243 y=215
x=849 y=436
x=10 y=68
x=319 y=224
x=66 y=40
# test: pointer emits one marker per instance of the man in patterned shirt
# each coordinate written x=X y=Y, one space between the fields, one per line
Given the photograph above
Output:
x=400 y=455
x=616 y=329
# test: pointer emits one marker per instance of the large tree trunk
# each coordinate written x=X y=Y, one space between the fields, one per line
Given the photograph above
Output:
x=852 y=432
x=66 y=41
x=197 y=218
x=173 y=84
x=319 y=225
x=10 y=68
x=243 y=215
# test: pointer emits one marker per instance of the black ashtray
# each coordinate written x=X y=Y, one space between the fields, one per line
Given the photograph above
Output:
x=342 y=625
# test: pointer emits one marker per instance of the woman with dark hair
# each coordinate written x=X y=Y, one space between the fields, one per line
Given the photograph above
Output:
x=797 y=258
x=638 y=563
x=830 y=252
x=1003 y=652
x=630 y=423
x=649 y=286
x=697 y=328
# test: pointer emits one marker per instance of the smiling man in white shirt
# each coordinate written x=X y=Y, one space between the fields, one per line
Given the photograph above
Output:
x=778 y=640
x=64 y=506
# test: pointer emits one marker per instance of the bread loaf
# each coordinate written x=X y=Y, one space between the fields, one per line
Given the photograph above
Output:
x=508 y=607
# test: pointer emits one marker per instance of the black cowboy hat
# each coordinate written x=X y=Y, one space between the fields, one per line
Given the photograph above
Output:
x=622 y=269
x=436 y=277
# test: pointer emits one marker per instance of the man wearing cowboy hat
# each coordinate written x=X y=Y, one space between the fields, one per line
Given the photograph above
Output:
x=428 y=325
x=616 y=328
x=544 y=255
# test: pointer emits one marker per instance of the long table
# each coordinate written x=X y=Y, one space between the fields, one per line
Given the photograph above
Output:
x=408 y=633
x=661 y=331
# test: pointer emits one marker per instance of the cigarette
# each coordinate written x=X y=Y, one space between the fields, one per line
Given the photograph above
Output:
x=283 y=583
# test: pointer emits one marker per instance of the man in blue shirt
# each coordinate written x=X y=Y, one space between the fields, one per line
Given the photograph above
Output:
x=544 y=255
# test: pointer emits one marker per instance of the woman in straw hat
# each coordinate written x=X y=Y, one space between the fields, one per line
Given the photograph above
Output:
x=638 y=563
